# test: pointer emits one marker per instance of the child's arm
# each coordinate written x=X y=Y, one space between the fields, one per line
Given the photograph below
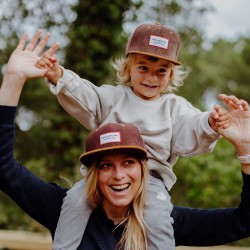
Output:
x=83 y=100
x=51 y=63
x=192 y=135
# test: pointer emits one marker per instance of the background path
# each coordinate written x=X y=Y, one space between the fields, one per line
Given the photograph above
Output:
x=20 y=240
x=214 y=248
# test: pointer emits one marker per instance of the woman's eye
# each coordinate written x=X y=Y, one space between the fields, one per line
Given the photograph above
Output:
x=129 y=162
x=104 y=165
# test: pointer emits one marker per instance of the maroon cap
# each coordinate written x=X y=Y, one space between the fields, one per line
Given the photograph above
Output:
x=113 y=136
x=155 y=40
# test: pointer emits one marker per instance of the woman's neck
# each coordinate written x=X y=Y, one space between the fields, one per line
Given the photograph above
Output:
x=116 y=214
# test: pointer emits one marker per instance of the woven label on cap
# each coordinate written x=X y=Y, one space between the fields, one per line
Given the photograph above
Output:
x=158 y=41
x=110 y=137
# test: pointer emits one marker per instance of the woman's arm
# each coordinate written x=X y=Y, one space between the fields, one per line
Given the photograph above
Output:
x=210 y=227
x=39 y=199
x=206 y=227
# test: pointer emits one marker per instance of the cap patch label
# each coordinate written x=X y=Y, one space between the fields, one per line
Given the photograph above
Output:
x=158 y=41
x=110 y=137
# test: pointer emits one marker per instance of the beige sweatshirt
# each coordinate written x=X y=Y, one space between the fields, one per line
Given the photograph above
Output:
x=170 y=125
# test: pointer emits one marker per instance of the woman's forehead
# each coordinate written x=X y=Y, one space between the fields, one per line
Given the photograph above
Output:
x=117 y=155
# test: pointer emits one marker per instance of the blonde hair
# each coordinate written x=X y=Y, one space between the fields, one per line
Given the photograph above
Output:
x=123 y=66
x=134 y=235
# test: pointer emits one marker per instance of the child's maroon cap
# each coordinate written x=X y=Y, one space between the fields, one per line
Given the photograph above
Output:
x=155 y=40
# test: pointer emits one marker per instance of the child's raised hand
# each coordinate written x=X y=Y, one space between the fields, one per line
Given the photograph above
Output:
x=212 y=119
x=218 y=118
x=223 y=118
x=51 y=65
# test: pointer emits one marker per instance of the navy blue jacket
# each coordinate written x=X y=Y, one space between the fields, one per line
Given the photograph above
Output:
x=43 y=201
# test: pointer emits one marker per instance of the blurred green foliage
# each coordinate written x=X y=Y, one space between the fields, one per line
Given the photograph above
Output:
x=91 y=33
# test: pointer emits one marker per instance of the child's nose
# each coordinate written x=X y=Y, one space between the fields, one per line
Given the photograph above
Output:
x=151 y=77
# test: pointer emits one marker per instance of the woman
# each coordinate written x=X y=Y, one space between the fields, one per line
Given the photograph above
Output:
x=116 y=175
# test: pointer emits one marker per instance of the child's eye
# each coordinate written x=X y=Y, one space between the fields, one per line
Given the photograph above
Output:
x=144 y=68
x=162 y=70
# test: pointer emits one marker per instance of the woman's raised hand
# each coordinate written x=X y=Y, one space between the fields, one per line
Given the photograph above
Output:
x=24 y=58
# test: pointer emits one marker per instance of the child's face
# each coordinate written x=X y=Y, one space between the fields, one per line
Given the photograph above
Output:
x=149 y=77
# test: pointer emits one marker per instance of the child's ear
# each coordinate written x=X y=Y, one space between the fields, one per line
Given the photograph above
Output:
x=171 y=76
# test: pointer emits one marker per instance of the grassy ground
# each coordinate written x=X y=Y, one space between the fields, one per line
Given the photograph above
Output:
x=20 y=240
x=214 y=248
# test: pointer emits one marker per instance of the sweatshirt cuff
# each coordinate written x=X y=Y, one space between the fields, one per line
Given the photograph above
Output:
x=62 y=83
x=7 y=114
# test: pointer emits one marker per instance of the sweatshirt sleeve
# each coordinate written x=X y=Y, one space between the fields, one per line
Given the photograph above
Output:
x=41 y=200
x=192 y=134
x=83 y=100
x=210 y=227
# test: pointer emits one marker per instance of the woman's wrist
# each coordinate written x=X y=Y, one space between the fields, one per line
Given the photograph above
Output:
x=242 y=148
x=243 y=154
x=245 y=168
x=12 y=78
x=245 y=163
x=11 y=89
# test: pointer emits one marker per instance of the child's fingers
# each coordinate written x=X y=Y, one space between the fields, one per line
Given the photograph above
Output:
x=225 y=126
x=223 y=118
x=48 y=56
x=224 y=121
x=214 y=115
x=43 y=62
x=220 y=110
x=39 y=65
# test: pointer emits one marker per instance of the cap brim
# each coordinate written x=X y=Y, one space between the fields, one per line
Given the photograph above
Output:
x=88 y=158
x=157 y=56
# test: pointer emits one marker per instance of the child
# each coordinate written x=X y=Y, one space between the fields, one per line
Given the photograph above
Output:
x=169 y=124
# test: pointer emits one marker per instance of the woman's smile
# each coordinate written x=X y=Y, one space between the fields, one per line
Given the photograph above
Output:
x=119 y=178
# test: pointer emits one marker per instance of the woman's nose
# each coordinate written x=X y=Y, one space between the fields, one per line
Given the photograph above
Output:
x=118 y=173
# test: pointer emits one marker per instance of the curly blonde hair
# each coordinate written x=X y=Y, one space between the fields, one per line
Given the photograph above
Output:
x=123 y=66
x=134 y=235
